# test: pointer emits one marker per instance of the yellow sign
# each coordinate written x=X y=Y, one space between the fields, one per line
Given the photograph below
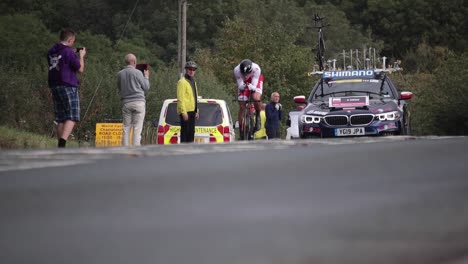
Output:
x=109 y=135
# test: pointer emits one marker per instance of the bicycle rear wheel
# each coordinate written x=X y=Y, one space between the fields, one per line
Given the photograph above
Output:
x=321 y=52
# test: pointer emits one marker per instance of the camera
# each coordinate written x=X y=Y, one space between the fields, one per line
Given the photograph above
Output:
x=142 y=67
x=78 y=49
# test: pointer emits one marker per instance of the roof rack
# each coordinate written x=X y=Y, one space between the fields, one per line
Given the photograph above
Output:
x=370 y=63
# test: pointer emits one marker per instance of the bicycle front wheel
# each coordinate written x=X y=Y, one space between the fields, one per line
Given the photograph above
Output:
x=246 y=125
x=249 y=125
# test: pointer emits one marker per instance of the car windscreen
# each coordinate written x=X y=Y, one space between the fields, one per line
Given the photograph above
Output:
x=374 y=88
x=210 y=114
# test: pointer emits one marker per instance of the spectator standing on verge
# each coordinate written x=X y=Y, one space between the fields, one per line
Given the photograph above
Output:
x=273 y=116
x=64 y=64
x=261 y=134
x=133 y=85
x=187 y=109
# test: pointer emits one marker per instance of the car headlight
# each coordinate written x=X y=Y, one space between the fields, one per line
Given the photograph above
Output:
x=389 y=116
x=310 y=119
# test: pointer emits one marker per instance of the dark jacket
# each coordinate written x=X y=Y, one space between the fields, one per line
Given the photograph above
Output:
x=273 y=116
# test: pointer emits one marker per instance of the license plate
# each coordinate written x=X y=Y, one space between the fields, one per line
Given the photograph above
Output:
x=199 y=140
x=353 y=131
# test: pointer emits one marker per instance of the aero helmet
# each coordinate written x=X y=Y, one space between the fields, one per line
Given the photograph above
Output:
x=191 y=64
x=246 y=66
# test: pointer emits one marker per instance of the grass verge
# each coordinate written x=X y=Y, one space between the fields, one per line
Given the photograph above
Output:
x=11 y=138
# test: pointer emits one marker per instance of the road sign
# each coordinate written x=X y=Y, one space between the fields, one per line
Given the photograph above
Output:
x=109 y=134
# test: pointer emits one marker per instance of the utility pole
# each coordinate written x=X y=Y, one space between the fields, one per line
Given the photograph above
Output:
x=182 y=39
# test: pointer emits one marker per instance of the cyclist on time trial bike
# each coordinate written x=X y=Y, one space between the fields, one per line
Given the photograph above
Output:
x=249 y=80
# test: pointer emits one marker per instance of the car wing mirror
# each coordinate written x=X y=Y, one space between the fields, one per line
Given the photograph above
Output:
x=406 y=95
x=300 y=99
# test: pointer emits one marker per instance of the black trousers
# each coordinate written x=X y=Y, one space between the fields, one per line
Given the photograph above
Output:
x=187 y=128
x=273 y=133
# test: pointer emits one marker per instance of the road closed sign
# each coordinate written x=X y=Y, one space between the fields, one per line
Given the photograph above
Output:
x=108 y=135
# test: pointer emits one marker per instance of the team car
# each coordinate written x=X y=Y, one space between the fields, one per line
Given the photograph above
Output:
x=352 y=103
x=214 y=125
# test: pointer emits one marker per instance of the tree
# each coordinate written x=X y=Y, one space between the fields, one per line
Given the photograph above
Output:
x=24 y=40
x=403 y=25
x=266 y=38
x=448 y=95
x=425 y=58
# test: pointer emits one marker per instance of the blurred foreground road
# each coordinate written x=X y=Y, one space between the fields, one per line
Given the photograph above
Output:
x=394 y=200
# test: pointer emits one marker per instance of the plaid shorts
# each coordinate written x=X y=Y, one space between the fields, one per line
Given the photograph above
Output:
x=66 y=103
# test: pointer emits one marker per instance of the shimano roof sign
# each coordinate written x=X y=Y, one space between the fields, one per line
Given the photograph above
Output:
x=348 y=74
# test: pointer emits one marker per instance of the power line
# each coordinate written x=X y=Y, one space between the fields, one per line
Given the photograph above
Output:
x=112 y=55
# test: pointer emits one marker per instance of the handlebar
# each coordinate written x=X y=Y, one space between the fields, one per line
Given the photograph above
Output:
x=317 y=19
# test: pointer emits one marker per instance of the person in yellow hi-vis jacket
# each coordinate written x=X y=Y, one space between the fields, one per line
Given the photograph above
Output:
x=261 y=134
x=187 y=94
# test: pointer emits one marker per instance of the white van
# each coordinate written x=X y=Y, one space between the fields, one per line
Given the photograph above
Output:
x=214 y=125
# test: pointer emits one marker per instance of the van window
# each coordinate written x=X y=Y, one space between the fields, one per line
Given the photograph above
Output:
x=210 y=115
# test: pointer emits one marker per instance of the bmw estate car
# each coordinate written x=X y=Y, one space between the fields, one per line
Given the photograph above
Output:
x=353 y=103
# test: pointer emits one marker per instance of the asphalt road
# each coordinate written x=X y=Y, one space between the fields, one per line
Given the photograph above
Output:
x=393 y=200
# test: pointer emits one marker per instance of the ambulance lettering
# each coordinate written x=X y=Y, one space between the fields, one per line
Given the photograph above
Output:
x=206 y=130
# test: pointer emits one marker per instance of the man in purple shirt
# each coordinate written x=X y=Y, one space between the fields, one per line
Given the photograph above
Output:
x=64 y=63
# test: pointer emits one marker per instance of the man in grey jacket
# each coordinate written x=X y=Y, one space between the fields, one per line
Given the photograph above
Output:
x=133 y=86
